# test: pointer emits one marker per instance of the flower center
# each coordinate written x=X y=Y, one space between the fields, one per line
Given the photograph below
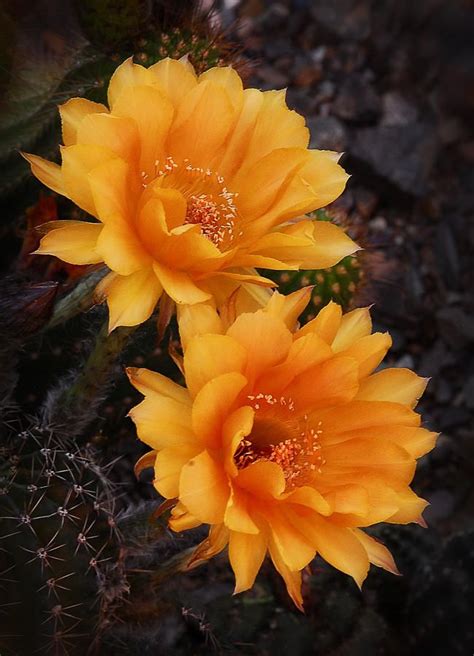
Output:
x=282 y=436
x=209 y=203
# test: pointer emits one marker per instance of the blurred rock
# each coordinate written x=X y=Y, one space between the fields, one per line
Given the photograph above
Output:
x=327 y=133
x=456 y=327
x=357 y=100
x=397 y=110
x=348 y=19
x=404 y=155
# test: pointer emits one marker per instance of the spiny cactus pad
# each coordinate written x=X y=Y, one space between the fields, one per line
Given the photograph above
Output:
x=60 y=570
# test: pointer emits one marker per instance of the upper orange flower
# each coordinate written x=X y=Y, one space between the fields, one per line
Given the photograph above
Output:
x=190 y=178
x=284 y=440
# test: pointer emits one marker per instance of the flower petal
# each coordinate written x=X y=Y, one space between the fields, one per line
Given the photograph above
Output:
x=179 y=286
x=288 y=308
x=326 y=324
x=209 y=356
x=292 y=579
x=73 y=112
x=204 y=489
x=113 y=132
x=397 y=385
x=369 y=351
x=175 y=78
x=354 y=325
x=168 y=466
x=49 y=173
x=197 y=319
x=131 y=299
x=246 y=555
x=163 y=422
x=147 y=381
x=128 y=75
x=378 y=553
x=213 y=404
x=72 y=241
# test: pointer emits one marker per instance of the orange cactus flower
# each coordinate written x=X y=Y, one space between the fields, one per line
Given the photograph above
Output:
x=194 y=181
x=285 y=441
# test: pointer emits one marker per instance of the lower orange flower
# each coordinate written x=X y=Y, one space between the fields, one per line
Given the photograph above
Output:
x=284 y=441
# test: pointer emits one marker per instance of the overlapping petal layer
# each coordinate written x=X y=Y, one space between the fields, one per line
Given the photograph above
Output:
x=286 y=442
x=193 y=181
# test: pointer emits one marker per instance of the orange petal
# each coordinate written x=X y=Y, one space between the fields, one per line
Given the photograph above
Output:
x=236 y=427
x=197 y=319
x=326 y=324
x=72 y=241
x=112 y=190
x=266 y=339
x=179 y=286
x=238 y=514
x=147 y=381
x=168 y=466
x=131 y=299
x=262 y=479
x=181 y=519
x=349 y=499
x=333 y=382
x=213 y=404
x=209 y=356
x=246 y=555
x=308 y=497
x=49 y=173
x=288 y=308
x=378 y=553
x=295 y=550
x=369 y=352
x=228 y=79
x=72 y=114
x=204 y=489
x=292 y=579
x=163 y=422
x=397 y=385
x=337 y=545
x=354 y=326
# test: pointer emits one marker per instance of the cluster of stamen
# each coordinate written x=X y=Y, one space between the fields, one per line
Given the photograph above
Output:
x=297 y=455
x=210 y=204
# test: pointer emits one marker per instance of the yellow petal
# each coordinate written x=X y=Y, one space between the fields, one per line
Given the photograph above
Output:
x=204 y=118
x=168 y=466
x=333 y=382
x=72 y=241
x=246 y=555
x=197 y=319
x=410 y=508
x=128 y=75
x=292 y=579
x=337 y=545
x=122 y=251
x=378 y=553
x=204 y=489
x=266 y=339
x=181 y=519
x=163 y=422
x=49 y=173
x=358 y=415
x=397 y=385
x=237 y=426
x=325 y=244
x=213 y=404
x=209 y=356
x=354 y=326
x=308 y=497
x=152 y=113
x=131 y=299
x=288 y=308
x=147 y=381
x=369 y=352
x=295 y=550
x=111 y=189
x=228 y=79
x=78 y=161
x=326 y=324
x=238 y=514
x=262 y=479
x=72 y=114
x=179 y=286
x=175 y=78
x=349 y=499
x=114 y=132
